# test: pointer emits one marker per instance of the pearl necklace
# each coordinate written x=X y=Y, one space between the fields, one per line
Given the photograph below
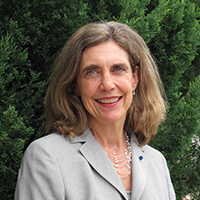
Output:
x=122 y=160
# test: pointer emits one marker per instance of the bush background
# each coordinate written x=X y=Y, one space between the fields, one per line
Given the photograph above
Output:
x=34 y=31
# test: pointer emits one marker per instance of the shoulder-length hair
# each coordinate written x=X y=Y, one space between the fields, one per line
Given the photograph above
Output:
x=65 y=112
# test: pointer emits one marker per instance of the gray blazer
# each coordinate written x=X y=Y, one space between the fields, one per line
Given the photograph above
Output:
x=56 y=167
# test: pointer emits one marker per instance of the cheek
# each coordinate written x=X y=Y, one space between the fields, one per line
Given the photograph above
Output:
x=127 y=85
x=87 y=90
x=127 y=90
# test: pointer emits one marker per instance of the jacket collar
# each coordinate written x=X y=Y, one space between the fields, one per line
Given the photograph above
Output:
x=95 y=155
x=139 y=168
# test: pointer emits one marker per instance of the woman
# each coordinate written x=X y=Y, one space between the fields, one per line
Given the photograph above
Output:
x=103 y=106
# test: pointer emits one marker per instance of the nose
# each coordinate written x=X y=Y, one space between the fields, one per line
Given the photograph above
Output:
x=107 y=82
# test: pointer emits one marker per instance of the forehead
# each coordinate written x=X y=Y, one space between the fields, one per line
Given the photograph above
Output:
x=104 y=52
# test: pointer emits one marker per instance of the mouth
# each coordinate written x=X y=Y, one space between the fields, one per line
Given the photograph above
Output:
x=108 y=101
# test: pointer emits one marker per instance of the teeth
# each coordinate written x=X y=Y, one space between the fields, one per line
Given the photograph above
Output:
x=108 y=100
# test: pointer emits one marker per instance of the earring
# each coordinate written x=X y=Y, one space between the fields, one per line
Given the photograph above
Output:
x=133 y=92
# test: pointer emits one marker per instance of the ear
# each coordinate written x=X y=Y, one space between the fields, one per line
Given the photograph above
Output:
x=135 y=77
x=76 y=90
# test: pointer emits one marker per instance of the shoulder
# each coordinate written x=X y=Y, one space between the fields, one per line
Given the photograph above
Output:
x=51 y=138
x=55 y=146
x=50 y=141
x=58 y=141
x=146 y=151
x=154 y=155
x=148 y=154
x=158 y=169
x=156 y=160
x=51 y=146
x=40 y=168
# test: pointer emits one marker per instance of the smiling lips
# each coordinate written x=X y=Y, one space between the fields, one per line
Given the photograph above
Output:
x=108 y=101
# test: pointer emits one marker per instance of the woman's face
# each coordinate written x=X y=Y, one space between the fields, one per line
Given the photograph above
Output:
x=105 y=82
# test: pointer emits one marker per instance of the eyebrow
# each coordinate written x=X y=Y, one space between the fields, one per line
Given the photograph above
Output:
x=120 y=64
x=92 y=66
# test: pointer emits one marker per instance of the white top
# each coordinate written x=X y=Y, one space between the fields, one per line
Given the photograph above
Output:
x=128 y=194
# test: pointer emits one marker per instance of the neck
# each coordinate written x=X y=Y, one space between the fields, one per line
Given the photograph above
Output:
x=109 y=136
x=116 y=144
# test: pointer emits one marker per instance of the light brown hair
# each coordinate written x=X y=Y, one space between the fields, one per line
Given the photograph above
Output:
x=64 y=110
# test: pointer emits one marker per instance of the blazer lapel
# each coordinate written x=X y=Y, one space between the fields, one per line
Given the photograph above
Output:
x=95 y=155
x=139 y=169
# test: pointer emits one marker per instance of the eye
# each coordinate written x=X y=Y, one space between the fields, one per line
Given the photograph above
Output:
x=118 y=69
x=92 y=71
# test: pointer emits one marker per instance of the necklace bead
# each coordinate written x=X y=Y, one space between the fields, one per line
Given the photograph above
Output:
x=122 y=160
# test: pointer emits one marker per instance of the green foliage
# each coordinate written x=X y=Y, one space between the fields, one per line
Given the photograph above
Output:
x=20 y=89
x=176 y=140
x=14 y=134
x=32 y=34
x=103 y=9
